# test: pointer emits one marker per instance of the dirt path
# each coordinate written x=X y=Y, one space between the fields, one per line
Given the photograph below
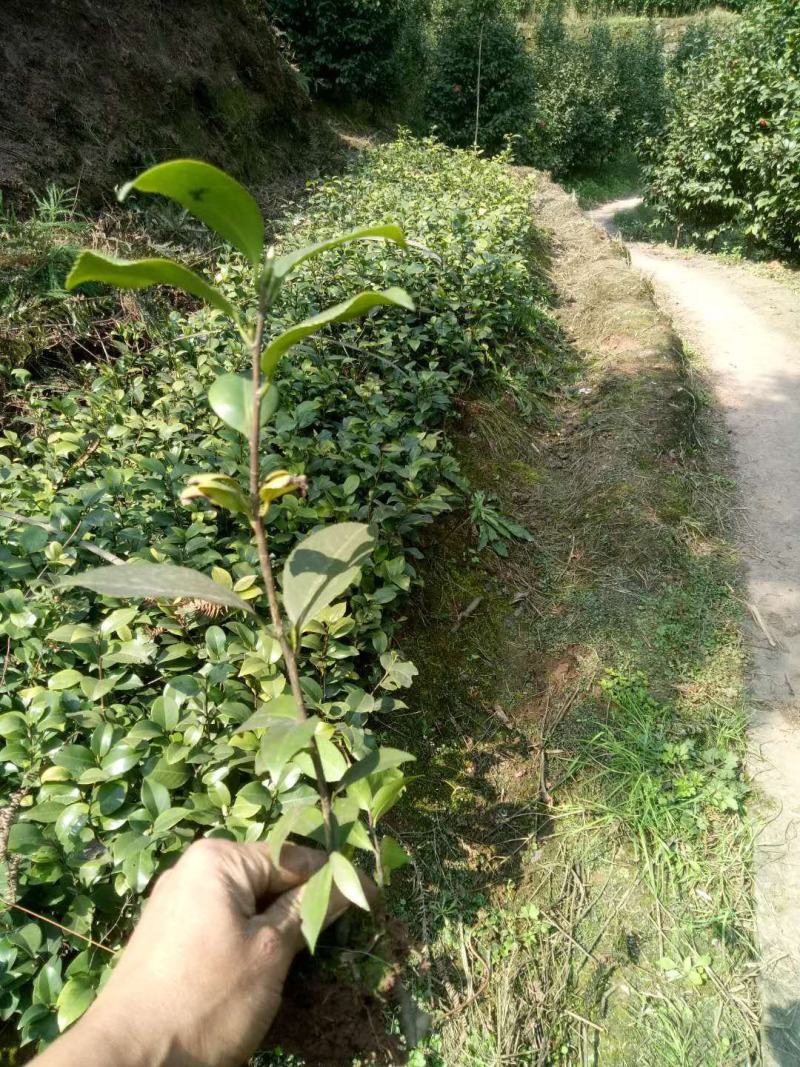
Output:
x=747 y=330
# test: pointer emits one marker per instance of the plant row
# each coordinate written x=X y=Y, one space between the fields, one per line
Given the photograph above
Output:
x=130 y=729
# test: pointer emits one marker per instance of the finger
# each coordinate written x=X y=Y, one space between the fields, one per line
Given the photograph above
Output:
x=266 y=879
x=283 y=916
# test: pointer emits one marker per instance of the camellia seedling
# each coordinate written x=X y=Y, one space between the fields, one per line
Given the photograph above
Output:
x=354 y=782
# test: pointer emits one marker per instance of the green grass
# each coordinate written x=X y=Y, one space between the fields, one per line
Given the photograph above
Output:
x=620 y=178
x=582 y=851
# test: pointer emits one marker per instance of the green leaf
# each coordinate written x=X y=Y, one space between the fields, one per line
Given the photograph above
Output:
x=322 y=566
x=155 y=797
x=167 y=819
x=282 y=707
x=141 y=273
x=156 y=581
x=393 y=856
x=73 y=1000
x=346 y=878
x=210 y=195
x=119 y=760
x=48 y=982
x=139 y=868
x=282 y=741
x=386 y=797
x=70 y=823
x=110 y=797
x=381 y=759
x=231 y=398
x=67 y=679
x=75 y=758
x=314 y=904
x=333 y=762
x=286 y=263
x=348 y=309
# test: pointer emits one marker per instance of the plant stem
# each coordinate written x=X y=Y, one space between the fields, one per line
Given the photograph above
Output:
x=262 y=547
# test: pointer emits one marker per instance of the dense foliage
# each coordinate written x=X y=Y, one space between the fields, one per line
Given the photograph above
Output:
x=125 y=729
x=667 y=8
x=729 y=162
x=355 y=48
x=481 y=83
x=571 y=98
x=595 y=93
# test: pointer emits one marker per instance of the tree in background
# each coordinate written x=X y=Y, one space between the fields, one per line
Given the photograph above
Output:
x=729 y=162
x=481 y=83
x=365 y=49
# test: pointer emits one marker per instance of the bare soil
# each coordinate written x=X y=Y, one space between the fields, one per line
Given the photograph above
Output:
x=746 y=329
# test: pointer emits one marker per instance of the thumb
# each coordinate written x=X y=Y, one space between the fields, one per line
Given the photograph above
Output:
x=283 y=922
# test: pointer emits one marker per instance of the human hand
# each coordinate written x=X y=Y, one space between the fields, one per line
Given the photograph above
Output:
x=200 y=980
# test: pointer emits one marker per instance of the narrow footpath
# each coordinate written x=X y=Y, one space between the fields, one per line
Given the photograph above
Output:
x=746 y=330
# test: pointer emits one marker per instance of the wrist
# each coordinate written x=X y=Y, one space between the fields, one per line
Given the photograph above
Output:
x=104 y=1036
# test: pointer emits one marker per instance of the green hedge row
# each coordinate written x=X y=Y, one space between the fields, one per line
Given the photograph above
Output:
x=122 y=727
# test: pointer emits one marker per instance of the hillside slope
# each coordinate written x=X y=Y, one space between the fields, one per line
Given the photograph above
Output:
x=90 y=90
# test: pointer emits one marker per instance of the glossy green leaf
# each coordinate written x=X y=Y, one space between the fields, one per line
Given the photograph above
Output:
x=347 y=881
x=48 y=982
x=282 y=707
x=155 y=797
x=70 y=822
x=138 y=868
x=348 y=309
x=380 y=759
x=314 y=904
x=169 y=818
x=142 y=273
x=231 y=398
x=66 y=679
x=333 y=762
x=386 y=797
x=210 y=195
x=286 y=263
x=73 y=1000
x=119 y=760
x=282 y=741
x=220 y=490
x=159 y=581
x=75 y=758
x=322 y=566
x=110 y=797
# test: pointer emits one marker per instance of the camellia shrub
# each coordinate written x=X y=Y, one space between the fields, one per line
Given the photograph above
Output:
x=728 y=166
x=137 y=700
x=369 y=49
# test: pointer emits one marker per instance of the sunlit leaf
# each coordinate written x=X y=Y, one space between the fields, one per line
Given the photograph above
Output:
x=283 y=740
x=381 y=759
x=155 y=581
x=218 y=489
x=314 y=904
x=210 y=195
x=231 y=398
x=289 y=260
x=348 y=309
x=322 y=566
x=347 y=881
x=141 y=273
x=73 y=1000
